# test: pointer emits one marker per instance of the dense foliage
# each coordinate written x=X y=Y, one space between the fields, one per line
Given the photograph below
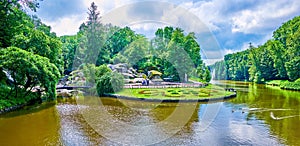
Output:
x=277 y=59
x=176 y=55
x=171 y=52
x=12 y=19
x=30 y=55
x=25 y=71
x=101 y=79
x=110 y=82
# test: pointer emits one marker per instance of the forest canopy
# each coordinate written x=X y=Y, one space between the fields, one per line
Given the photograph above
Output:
x=277 y=59
x=172 y=51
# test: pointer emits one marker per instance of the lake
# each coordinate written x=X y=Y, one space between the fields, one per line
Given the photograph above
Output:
x=259 y=115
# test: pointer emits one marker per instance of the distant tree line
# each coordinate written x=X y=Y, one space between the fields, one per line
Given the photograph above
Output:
x=277 y=59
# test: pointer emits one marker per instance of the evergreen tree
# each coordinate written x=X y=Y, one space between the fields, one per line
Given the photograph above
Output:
x=94 y=37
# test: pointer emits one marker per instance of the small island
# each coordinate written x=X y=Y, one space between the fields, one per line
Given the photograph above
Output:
x=205 y=94
x=124 y=82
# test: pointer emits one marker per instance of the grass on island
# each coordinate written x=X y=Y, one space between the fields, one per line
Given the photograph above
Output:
x=210 y=91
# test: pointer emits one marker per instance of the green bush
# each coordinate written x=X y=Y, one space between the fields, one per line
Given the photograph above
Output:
x=110 y=82
x=101 y=70
x=11 y=100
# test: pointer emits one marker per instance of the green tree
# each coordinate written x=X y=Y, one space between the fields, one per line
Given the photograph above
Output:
x=39 y=43
x=119 y=39
x=193 y=49
x=262 y=68
x=93 y=42
x=178 y=57
x=293 y=68
x=219 y=70
x=101 y=70
x=28 y=71
x=136 y=51
x=13 y=19
x=237 y=65
x=39 y=25
x=69 y=47
x=288 y=37
x=207 y=75
x=110 y=82
x=176 y=54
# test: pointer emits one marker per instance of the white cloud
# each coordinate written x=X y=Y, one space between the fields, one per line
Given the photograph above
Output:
x=69 y=25
x=66 y=25
x=264 y=17
x=147 y=26
x=257 y=19
x=206 y=12
x=236 y=23
x=107 y=5
x=231 y=51
x=181 y=16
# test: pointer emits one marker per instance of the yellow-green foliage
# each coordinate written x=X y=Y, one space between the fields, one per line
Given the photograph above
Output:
x=290 y=85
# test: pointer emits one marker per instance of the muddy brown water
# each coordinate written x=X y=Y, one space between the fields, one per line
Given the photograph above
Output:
x=259 y=115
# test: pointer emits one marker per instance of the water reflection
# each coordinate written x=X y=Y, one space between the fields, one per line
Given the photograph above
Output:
x=258 y=116
x=34 y=126
x=141 y=123
x=278 y=109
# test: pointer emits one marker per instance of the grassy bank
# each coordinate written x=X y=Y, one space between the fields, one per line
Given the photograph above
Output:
x=284 y=84
x=209 y=91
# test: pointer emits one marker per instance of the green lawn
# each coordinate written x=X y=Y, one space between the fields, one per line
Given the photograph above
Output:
x=284 y=84
x=275 y=82
x=210 y=91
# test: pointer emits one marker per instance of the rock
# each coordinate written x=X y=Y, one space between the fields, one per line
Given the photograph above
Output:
x=64 y=93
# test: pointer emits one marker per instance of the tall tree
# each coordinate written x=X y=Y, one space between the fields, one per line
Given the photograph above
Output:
x=262 y=68
x=176 y=54
x=94 y=37
x=136 y=51
x=118 y=39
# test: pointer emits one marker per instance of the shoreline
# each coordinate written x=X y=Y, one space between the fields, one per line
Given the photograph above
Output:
x=269 y=83
x=12 y=108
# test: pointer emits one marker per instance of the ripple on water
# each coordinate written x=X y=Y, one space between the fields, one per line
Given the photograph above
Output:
x=71 y=131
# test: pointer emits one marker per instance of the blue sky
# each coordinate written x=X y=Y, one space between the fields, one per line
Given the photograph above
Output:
x=223 y=26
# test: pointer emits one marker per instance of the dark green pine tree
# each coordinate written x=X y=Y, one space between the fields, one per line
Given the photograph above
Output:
x=95 y=38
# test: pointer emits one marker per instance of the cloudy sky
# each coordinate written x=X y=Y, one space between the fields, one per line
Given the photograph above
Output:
x=224 y=25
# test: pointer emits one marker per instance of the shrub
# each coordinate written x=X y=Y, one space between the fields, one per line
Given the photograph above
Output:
x=110 y=82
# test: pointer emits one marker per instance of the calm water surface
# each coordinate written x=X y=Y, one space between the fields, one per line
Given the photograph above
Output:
x=260 y=115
